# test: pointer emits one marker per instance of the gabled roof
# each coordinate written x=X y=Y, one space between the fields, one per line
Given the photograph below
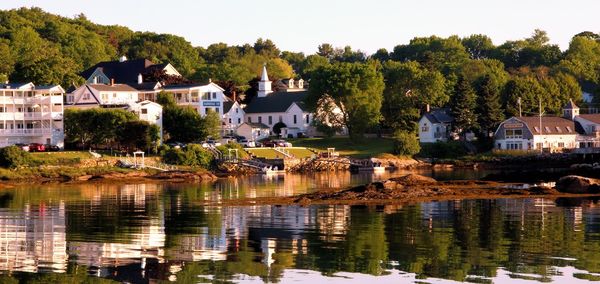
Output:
x=16 y=85
x=112 y=88
x=571 y=105
x=145 y=86
x=551 y=125
x=256 y=125
x=595 y=118
x=227 y=105
x=123 y=72
x=440 y=115
x=276 y=102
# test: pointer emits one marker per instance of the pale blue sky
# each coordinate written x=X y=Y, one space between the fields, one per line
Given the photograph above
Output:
x=304 y=24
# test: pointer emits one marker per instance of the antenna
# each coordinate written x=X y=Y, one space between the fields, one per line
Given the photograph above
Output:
x=520 y=111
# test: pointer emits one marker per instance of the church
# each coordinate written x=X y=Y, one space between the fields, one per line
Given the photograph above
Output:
x=282 y=111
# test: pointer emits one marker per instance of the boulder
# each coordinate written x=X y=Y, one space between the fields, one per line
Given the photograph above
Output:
x=578 y=184
x=413 y=179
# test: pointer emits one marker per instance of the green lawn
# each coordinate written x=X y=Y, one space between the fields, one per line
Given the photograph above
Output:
x=270 y=153
x=59 y=158
x=369 y=147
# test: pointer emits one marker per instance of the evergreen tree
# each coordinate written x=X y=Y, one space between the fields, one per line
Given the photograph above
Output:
x=463 y=105
x=489 y=109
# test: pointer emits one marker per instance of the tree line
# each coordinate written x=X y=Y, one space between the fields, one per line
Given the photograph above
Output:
x=481 y=82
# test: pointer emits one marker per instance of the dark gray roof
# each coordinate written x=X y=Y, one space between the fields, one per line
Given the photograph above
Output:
x=12 y=85
x=441 y=115
x=257 y=125
x=123 y=72
x=145 y=86
x=570 y=105
x=183 y=86
x=276 y=102
x=227 y=106
x=551 y=125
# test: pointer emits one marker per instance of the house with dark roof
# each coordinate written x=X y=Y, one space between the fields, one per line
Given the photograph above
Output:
x=253 y=131
x=285 y=108
x=124 y=71
x=435 y=126
x=233 y=117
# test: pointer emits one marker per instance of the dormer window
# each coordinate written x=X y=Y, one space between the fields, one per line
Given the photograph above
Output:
x=291 y=84
x=547 y=129
x=569 y=129
x=537 y=129
x=301 y=84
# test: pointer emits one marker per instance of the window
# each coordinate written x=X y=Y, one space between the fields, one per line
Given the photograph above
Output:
x=307 y=118
x=280 y=118
x=144 y=111
x=230 y=121
x=249 y=119
x=206 y=110
x=569 y=129
x=69 y=99
x=295 y=119
x=19 y=125
x=547 y=129
x=539 y=145
x=29 y=125
x=558 y=129
x=239 y=120
x=1 y=125
x=2 y=109
x=19 y=109
x=270 y=120
x=217 y=110
x=513 y=133
x=537 y=129
x=214 y=96
x=561 y=144
x=86 y=96
x=237 y=110
x=260 y=119
x=425 y=128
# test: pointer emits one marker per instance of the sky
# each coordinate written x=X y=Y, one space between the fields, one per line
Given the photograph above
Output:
x=304 y=24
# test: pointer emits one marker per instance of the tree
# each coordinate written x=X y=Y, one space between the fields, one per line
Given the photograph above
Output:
x=478 y=46
x=489 y=108
x=212 y=124
x=355 y=88
x=183 y=124
x=14 y=157
x=165 y=99
x=435 y=53
x=406 y=143
x=382 y=55
x=462 y=105
x=408 y=88
x=138 y=135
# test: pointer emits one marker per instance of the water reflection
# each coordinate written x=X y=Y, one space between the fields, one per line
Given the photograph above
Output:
x=159 y=232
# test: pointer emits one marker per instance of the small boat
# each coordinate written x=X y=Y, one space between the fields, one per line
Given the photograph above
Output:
x=272 y=171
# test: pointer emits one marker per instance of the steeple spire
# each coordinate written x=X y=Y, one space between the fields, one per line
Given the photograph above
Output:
x=264 y=85
x=264 y=77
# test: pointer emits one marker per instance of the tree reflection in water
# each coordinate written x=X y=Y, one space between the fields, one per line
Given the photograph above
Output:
x=159 y=232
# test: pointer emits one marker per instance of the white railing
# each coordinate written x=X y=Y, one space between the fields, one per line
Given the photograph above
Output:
x=26 y=132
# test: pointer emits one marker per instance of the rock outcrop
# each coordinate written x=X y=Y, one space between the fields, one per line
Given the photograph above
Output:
x=578 y=184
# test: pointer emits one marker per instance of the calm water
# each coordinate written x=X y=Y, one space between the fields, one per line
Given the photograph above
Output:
x=142 y=233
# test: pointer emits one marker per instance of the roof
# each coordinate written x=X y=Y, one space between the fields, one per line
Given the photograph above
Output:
x=112 y=88
x=184 y=86
x=440 y=115
x=571 y=105
x=264 y=77
x=551 y=125
x=12 y=85
x=123 y=72
x=145 y=86
x=276 y=102
x=595 y=118
x=227 y=105
x=257 y=125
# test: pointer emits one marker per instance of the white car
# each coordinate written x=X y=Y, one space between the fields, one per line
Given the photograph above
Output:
x=247 y=143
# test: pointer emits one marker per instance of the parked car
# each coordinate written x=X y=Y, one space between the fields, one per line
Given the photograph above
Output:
x=210 y=143
x=51 y=148
x=247 y=143
x=176 y=145
x=269 y=143
x=37 y=147
x=282 y=143
x=228 y=139
x=23 y=147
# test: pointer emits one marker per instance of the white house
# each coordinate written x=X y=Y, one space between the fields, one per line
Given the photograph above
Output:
x=285 y=107
x=94 y=95
x=233 y=117
x=253 y=131
x=148 y=111
x=31 y=114
x=202 y=97
x=548 y=133
x=435 y=126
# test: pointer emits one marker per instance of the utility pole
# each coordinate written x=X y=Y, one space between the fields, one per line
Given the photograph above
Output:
x=541 y=129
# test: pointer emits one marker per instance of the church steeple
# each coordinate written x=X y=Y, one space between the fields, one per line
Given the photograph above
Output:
x=264 y=85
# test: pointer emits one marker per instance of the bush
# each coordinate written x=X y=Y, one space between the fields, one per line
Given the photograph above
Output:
x=443 y=150
x=193 y=155
x=406 y=144
x=14 y=157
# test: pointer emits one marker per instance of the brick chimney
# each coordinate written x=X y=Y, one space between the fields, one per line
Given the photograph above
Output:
x=112 y=81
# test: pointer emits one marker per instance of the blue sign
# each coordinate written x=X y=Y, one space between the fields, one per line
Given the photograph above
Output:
x=214 y=104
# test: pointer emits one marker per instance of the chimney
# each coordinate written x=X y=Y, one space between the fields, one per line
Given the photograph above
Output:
x=234 y=95
x=112 y=81
x=140 y=79
x=427 y=108
x=95 y=80
x=123 y=58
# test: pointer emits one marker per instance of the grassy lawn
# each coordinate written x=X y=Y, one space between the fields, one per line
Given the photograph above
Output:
x=59 y=158
x=369 y=147
x=269 y=153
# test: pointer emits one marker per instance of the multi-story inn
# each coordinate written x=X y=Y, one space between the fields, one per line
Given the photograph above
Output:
x=31 y=114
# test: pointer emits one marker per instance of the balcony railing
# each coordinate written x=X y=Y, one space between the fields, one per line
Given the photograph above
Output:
x=27 y=132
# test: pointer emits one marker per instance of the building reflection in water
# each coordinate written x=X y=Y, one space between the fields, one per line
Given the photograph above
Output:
x=162 y=226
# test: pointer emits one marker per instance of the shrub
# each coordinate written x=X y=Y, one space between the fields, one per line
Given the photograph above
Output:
x=13 y=157
x=240 y=149
x=406 y=143
x=193 y=155
x=443 y=150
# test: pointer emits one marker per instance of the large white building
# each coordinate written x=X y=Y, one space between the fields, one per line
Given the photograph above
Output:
x=284 y=107
x=31 y=114
x=550 y=134
x=435 y=126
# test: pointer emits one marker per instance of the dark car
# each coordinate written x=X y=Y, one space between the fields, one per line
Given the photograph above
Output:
x=268 y=143
x=37 y=147
x=51 y=148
